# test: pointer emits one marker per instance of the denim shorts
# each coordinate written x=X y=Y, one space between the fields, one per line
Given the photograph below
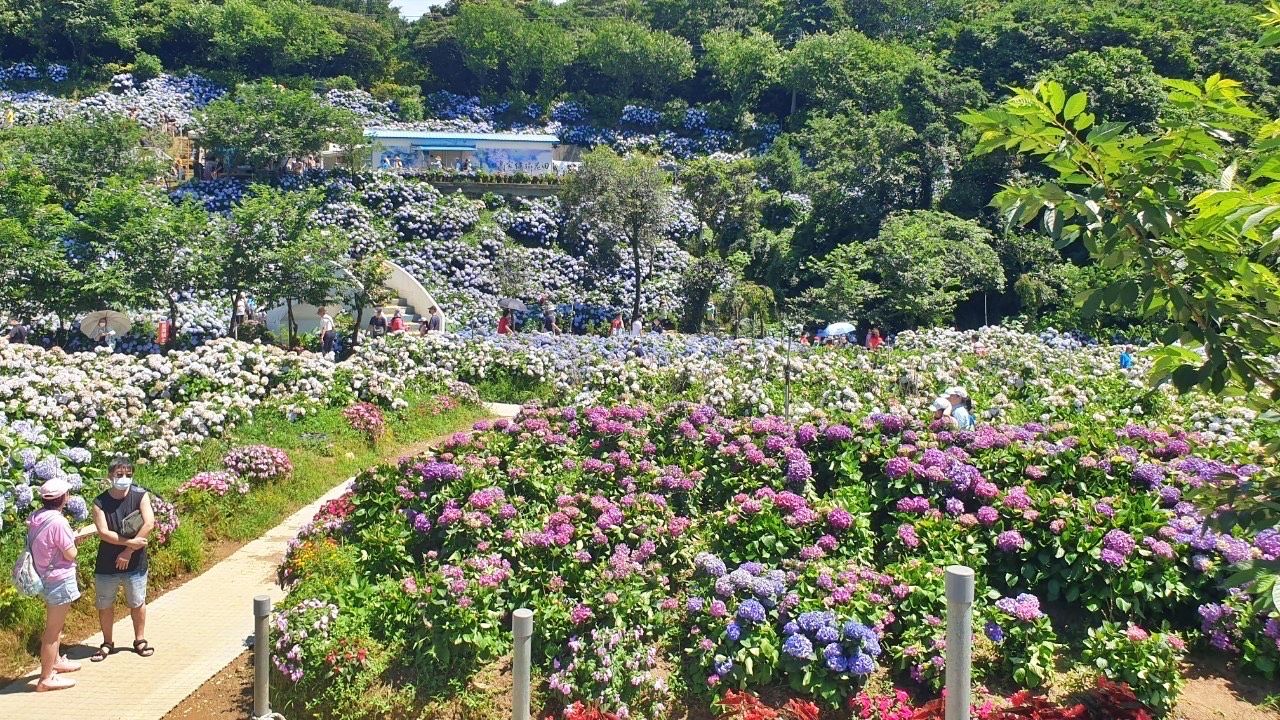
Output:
x=106 y=586
x=61 y=592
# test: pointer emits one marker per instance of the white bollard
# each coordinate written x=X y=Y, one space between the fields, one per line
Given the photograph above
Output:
x=261 y=656
x=522 y=630
x=959 y=641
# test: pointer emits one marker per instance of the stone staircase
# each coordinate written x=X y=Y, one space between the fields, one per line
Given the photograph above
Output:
x=412 y=320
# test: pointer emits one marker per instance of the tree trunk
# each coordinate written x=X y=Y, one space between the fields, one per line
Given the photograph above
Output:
x=355 y=331
x=635 y=261
x=173 y=324
x=293 y=327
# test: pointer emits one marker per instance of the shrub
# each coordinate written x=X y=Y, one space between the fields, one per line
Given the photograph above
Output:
x=259 y=463
x=1025 y=639
x=367 y=419
x=146 y=66
x=217 y=483
x=1147 y=662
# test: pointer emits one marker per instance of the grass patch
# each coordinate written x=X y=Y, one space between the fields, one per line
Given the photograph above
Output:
x=324 y=450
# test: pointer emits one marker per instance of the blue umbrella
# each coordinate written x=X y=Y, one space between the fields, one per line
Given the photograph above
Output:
x=840 y=328
x=821 y=333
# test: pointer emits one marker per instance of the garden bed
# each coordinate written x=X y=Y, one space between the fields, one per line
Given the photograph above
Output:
x=322 y=448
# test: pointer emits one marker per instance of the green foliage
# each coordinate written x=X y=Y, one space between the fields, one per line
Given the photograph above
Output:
x=625 y=195
x=73 y=153
x=35 y=276
x=915 y=272
x=1190 y=207
x=626 y=59
x=743 y=65
x=1147 y=661
x=263 y=124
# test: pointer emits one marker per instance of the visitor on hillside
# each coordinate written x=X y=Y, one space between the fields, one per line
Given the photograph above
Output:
x=961 y=407
x=123 y=517
x=104 y=335
x=397 y=322
x=616 y=326
x=656 y=326
x=327 y=333
x=941 y=408
x=18 y=332
x=435 y=321
x=241 y=315
x=53 y=555
x=711 y=313
x=378 y=324
x=637 y=326
x=1126 y=357
x=507 y=323
x=549 y=321
x=436 y=164
x=874 y=341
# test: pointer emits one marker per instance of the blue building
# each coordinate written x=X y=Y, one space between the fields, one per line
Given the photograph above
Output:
x=485 y=152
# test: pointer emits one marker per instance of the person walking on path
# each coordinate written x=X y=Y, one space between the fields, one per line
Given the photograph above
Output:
x=327 y=333
x=105 y=335
x=506 y=323
x=17 y=332
x=435 y=321
x=378 y=324
x=397 y=322
x=637 y=326
x=616 y=327
x=1126 y=358
x=53 y=554
x=549 y=323
x=123 y=517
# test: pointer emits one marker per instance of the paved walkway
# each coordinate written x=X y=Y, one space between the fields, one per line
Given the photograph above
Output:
x=197 y=629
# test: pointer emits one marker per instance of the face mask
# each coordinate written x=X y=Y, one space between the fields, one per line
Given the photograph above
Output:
x=124 y=482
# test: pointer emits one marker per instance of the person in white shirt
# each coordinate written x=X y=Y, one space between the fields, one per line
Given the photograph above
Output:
x=327 y=333
x=637 y=327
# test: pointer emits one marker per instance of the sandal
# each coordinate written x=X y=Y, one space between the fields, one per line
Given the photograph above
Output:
x=56 y=682
x=105 y=650
x=143 y=648
x=65 y=666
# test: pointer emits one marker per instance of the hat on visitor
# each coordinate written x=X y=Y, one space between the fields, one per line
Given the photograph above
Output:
x=957 y=390
x=940 y=404
x=55 y=488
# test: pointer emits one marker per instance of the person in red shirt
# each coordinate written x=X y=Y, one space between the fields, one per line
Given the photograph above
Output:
x=873 y=338
x=615 y=327
x=506 y=324
x=397 y=322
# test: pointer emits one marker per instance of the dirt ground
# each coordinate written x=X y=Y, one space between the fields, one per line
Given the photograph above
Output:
x=1213 y=692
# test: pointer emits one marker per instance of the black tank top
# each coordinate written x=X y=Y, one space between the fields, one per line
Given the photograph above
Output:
x=116 y=511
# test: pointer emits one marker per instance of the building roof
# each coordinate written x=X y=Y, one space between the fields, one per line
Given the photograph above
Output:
x=432 y=135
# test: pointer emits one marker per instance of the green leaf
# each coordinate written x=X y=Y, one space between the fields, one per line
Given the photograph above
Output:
x=1075 y=105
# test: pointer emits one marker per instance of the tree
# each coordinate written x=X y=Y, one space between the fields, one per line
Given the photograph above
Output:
x=274 y=36
x=724 y=199
x=1121 y=84
x=368 y=288
x=915 y=272
x=742 y=64
x=36 y=276
x=77 y=153
x=274 y=252
x=625 y=59
x=1192 y=206
x=137 y=249
x=624 y=199
x=263 y=125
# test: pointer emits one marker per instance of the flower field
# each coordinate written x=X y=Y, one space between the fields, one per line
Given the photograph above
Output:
x=679 y=539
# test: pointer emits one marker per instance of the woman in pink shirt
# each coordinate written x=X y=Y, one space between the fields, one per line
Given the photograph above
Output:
x=53 y=552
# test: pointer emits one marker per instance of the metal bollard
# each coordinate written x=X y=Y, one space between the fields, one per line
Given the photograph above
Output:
x=522 y=630
x=261 y=657
x=959 y=641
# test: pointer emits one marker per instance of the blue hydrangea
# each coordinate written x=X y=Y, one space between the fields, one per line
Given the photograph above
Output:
x=871 y=645
x=77 y=455
x=733 y=631
x=861 y=664
x=47 y=468
x=724 y=666
x=827 y=634
x=694 y=604
x=994 y=631
x=798 y=646
x=77 y=508
x=790 y=628
x=22 y=496
x=811 y=621
x=854 y=630
x=837 y=663
x=751 y=611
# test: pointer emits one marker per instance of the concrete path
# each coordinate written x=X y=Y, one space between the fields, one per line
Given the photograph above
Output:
x=197 y=629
